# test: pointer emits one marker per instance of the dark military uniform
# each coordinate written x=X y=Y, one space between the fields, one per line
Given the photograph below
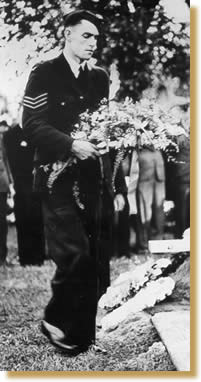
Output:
x=78 y=239
x=27 y=204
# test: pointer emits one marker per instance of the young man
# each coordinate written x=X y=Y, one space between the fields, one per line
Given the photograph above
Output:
x=78 y=239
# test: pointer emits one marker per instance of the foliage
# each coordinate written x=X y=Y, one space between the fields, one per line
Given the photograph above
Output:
x=169 y=42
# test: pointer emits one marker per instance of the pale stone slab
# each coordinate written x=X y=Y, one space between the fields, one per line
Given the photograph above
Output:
x=174 y=330
x=170 y=246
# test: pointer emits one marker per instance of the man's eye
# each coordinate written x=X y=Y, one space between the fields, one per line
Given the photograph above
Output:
x=86 y=35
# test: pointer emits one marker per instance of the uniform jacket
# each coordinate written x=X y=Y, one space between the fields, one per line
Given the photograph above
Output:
x=53 y=100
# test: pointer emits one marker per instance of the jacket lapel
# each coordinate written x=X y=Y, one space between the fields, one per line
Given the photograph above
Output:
x=79 y=85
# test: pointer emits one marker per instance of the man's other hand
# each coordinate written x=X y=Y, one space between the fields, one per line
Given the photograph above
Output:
x=119 y=202
x=84 y=150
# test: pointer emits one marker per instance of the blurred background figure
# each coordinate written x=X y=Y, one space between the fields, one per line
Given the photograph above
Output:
x=178 y=170
x=122 y=228
x=27 y=204
x=181 y=196
x=131 y=166
x=146 y=191
x=146 y=196
x=150 y=197
x=5 y=182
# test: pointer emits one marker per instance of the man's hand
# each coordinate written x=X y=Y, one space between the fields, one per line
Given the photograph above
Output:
x=119 y=202
x=11 y=190
x=84 y=150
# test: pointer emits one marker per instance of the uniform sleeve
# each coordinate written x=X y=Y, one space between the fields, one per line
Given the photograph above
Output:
x=120 y=182
x=55 y=144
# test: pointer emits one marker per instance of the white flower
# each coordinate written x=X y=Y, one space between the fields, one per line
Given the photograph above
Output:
x=147 y=297
x=130 y=283
x=79 y=135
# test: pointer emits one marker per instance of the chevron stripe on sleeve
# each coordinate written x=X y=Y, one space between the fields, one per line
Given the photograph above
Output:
x=35 y=103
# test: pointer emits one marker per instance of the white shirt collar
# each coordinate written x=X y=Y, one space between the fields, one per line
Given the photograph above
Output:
x=75 y=67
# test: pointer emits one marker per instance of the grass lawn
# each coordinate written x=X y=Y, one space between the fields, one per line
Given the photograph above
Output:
x=133 y=346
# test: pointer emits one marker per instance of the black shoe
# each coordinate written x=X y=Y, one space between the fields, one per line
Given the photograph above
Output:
x=58 y=339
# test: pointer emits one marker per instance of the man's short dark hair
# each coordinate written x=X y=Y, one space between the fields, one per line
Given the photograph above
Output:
x=75 y=17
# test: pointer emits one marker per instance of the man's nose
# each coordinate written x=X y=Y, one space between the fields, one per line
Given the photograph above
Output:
x=93 y=41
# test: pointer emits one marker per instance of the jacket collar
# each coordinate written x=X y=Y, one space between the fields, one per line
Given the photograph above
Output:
x=70 y=66
x=74 y=66
x=68 y=77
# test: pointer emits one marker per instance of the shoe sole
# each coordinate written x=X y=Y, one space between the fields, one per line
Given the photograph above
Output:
x=70 y=352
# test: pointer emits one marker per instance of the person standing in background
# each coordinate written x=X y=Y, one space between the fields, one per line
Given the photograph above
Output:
x=181 y=196
x=5 y=183
x=178 y=171
x=150 y=196
x=27 y=204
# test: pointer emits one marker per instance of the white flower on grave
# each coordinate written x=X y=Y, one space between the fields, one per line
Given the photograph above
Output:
x=163 y=262
x=147 y=297
x=129 y=284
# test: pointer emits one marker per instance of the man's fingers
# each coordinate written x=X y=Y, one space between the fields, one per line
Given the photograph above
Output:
x=92 y=154
x=84 y=150
x=95 y=150
x=119 y=202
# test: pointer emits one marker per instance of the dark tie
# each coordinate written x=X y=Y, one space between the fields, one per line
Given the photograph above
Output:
x=81 y=79
x=81 y=71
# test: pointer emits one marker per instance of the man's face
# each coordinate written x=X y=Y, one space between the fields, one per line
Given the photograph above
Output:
x=81 y=40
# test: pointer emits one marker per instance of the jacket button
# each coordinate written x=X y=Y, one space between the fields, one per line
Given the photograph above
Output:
x=63 y=103
x=23 y=144
x=81 y=97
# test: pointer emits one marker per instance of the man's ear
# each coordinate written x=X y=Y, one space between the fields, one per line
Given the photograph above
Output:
x=67 y=33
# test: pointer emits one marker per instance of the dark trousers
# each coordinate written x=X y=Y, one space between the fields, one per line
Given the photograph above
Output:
x=122 y=232
x=29 y=226
x=182 y=207
x=150 y=198
x=73 y=238
x=3 y=226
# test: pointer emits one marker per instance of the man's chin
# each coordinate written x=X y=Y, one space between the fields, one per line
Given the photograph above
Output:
x=87 y=56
